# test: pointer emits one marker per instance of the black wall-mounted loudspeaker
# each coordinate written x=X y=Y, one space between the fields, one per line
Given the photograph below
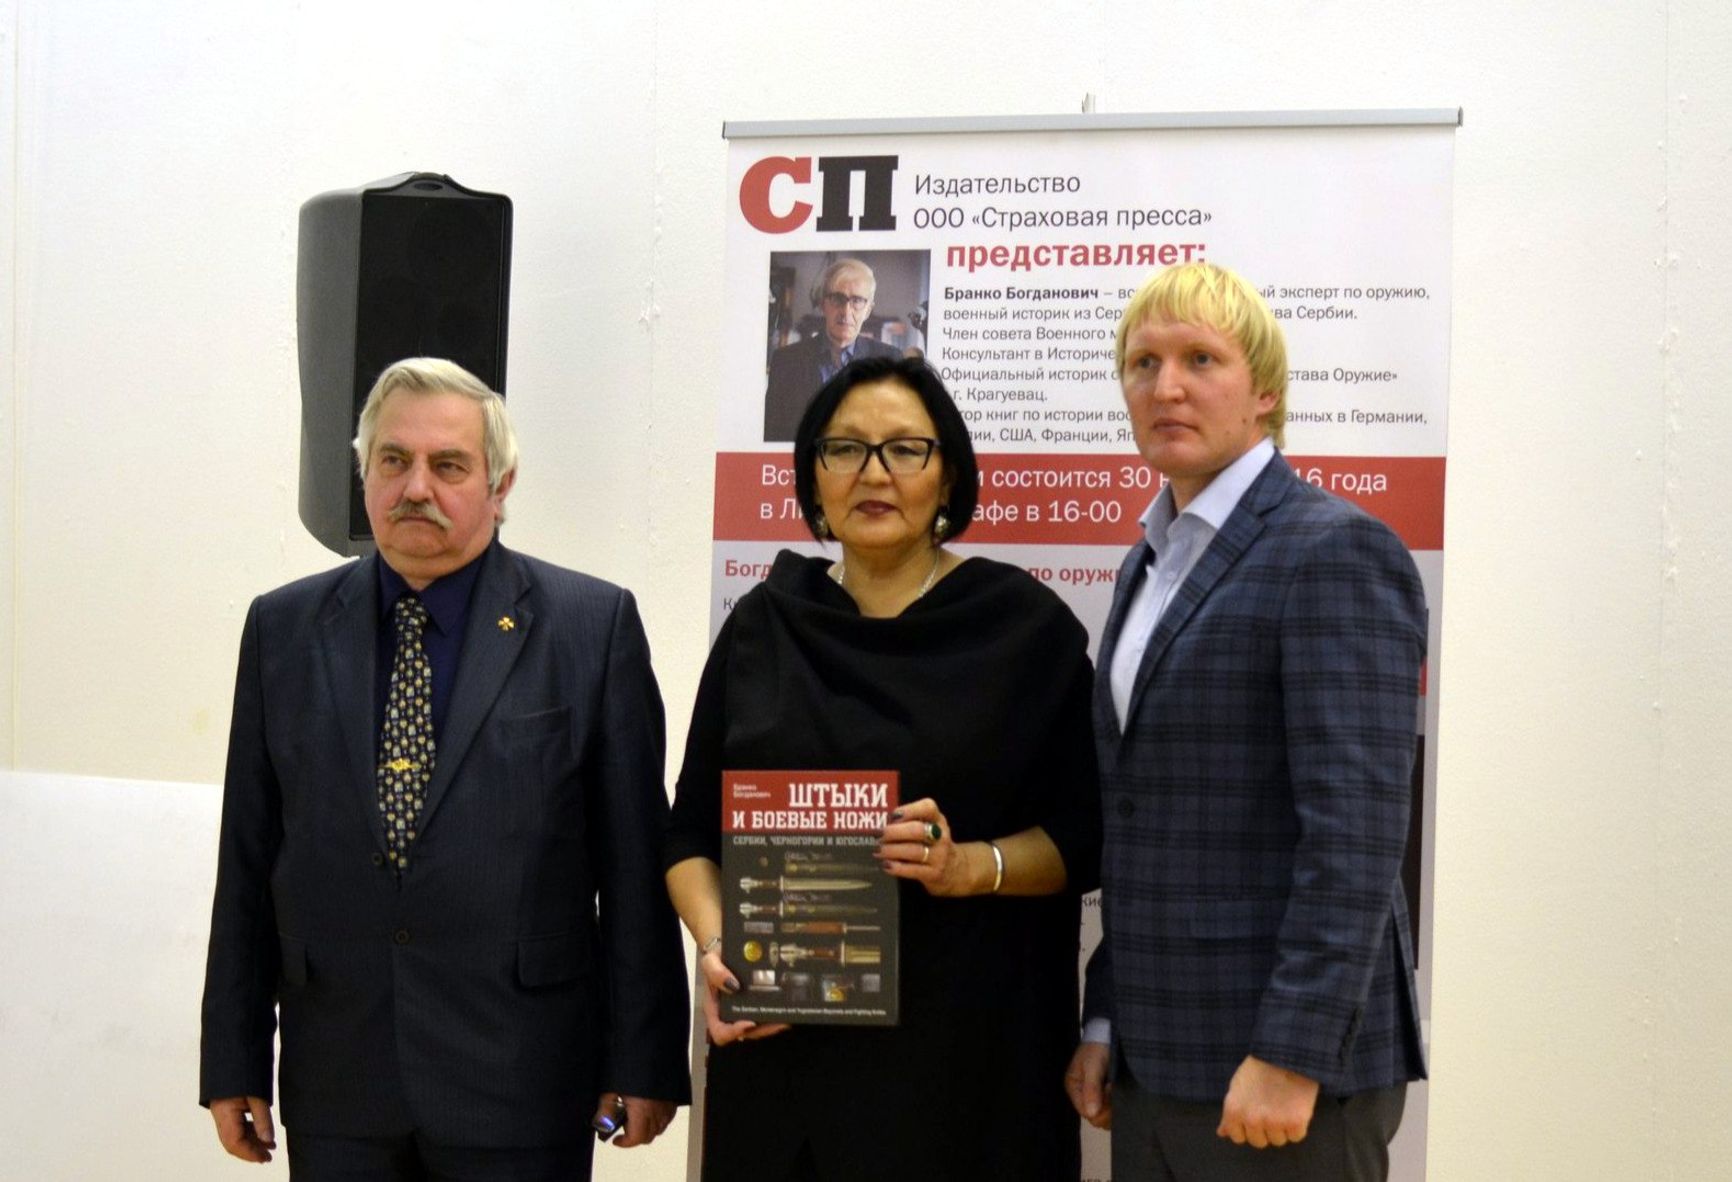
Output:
x=411 y=266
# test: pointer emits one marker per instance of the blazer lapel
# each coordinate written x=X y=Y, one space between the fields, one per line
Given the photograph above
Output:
x=499 y=624
x=1236 y=535
x=351 y=640
x=1131 y=573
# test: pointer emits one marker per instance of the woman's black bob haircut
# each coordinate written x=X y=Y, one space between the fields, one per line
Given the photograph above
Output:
x=955 y=448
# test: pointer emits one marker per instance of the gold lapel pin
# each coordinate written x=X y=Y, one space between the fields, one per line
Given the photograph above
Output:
x=506 y=623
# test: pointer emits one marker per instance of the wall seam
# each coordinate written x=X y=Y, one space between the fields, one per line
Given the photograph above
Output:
x=1666 y=962
x=14 y=444
x=652 y=285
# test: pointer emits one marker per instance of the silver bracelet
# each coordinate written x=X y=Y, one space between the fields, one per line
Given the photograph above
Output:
x=997 y=866
x=710 y=945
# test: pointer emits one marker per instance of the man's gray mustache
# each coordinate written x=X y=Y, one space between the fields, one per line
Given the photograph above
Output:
x=425 y=510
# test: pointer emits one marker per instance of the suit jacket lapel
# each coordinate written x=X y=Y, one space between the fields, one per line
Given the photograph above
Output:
x=1236 y=535
x=351 y=639
x=1131 y=573
x=499 y=624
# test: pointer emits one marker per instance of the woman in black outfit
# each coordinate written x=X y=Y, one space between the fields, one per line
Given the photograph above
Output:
x=970 y=679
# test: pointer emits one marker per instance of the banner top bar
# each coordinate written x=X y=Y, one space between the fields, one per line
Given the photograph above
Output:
x=1154 y=121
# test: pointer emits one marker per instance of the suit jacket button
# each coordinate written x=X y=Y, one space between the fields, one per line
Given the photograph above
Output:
x=402 y=936
x=378 y=859
x=1127 y=806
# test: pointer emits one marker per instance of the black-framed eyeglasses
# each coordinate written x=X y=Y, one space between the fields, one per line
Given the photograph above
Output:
x=902 y=456
x=837 y=299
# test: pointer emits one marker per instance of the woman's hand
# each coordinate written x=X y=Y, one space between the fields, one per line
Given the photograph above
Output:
x=917 y=844
x=719 y=979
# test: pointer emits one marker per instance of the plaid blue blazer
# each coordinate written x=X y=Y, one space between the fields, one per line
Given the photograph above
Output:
x=1256 y=805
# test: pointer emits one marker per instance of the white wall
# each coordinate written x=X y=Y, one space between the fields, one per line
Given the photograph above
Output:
x=1689 y=994
x=155 y=155
x=8 y=390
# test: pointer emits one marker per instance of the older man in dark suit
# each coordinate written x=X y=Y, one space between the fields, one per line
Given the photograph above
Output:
x=438 y=857
x=1252 y=999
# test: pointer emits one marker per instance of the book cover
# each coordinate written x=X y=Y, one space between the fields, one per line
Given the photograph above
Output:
x=809 y=920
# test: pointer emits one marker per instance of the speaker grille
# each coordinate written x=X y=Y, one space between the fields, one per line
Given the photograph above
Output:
x=427 y=266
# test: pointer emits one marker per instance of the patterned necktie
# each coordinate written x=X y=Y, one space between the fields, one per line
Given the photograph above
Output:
x=406 y=739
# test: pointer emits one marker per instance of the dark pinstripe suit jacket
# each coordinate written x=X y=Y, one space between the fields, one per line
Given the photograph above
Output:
x=480 y=999
x=1256 y=805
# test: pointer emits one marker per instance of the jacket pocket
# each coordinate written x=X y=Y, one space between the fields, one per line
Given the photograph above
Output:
x=541 y=771
x=552 y=960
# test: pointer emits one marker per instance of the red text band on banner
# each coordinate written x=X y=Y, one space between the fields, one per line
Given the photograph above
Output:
x=1082 y=499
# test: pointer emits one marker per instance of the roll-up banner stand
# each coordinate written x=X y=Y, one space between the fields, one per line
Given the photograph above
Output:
x=1003 y=250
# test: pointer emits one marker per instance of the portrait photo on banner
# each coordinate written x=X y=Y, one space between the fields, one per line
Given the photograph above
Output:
x=827 y=308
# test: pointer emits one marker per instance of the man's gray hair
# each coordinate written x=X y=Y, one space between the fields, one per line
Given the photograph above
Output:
x=829 y=275
x=435 y=375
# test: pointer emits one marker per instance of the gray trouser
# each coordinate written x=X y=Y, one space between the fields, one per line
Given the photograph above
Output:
x=1161 y=1140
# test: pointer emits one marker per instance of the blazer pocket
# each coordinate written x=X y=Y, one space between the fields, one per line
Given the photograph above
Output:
x=552 y=960
x=1237 y=919
x=541 y=761
x=544 y=732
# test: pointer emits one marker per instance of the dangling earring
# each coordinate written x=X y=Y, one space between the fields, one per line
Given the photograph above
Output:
x=940 y=526
x=820 y=526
